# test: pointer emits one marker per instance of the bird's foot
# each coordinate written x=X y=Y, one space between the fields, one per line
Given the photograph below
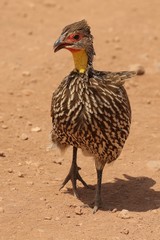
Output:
x=96 y=204
x=74 y=175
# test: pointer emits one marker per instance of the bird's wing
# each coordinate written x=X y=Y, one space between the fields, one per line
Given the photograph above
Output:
x=118 y=78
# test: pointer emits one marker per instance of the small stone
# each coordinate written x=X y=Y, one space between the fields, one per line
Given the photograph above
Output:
x=26 y=74
x=24 y=136
x=57 y=219
x=79 y=224
x=4 y=126
x=49 y=4
x=125 y=231
x=43 y=199
x=124 y=214
x=10 y=170
x=149 y=102
x=78 y=210
x=29 y=123
x=58 y=161
x=21 y=175
x=118 y=47
x=48 y=218
x=68 y=216
x=30 y=33
x=1 y=210
x=27 y=92
x=48 y=206
x=34 y=80
x=36 y=129
x=138 y=68
x=2 y=154
x=114 y=56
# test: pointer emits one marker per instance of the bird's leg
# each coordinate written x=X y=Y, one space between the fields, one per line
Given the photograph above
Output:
x=97 y=202
x=73 y=174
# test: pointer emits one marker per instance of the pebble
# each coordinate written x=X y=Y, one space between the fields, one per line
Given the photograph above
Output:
x=124 y=214
x=48 y=218
x=43 y=199
x=118 y=47
x=30 y=33
x=24 y=136
x=78 y=210
x=2 y=154
x=58 y=161
x=125 y=231
x=29 y=123
x=48 y=206
x=114 y=56
x=57 y=219
x=36 y=129
x=27 y=92
x=10 y=170
x=49 y=4
x=4 y=126
x=1 y=210
x=138 y=68
x=79 y=224
x=26 y=74
x=149 y=102
x=154 y=165
x=21 y=175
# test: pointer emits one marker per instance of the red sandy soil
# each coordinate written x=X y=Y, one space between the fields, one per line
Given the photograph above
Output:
x=31 y=206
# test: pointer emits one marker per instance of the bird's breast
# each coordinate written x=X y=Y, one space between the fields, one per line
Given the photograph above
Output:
x=88 y=113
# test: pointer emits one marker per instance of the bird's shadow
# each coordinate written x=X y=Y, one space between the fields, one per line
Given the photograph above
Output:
x=132 y=193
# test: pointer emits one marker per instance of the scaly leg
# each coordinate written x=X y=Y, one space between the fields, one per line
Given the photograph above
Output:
x=74 y=175
x=97 y=202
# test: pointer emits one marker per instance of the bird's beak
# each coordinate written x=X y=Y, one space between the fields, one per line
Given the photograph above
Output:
x=60 y=43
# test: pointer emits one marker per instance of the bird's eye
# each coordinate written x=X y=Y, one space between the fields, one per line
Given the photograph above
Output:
x=76 y=37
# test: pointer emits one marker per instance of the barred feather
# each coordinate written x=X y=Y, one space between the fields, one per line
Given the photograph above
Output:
x=92 y=112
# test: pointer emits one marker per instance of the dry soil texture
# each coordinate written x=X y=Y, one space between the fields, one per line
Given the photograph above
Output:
x=31 y=206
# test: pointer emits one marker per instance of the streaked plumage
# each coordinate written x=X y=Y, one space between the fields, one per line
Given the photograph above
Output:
x=90 y=109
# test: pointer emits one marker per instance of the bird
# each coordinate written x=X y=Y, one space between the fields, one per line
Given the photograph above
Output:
x=90 y=109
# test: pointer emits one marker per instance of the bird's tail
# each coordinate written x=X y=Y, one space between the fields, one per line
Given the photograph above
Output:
x=119 y=77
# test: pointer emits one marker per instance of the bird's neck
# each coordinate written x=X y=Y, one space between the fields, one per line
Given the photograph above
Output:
x=80 y=60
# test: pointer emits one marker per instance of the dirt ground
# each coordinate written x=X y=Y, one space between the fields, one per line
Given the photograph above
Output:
x=31 y=206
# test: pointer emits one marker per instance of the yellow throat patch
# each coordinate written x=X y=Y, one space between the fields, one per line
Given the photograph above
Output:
x=80 y=60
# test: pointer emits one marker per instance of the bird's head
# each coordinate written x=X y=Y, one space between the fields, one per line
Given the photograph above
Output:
x=78 y=40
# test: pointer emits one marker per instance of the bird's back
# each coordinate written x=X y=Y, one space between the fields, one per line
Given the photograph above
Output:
x=91 y=111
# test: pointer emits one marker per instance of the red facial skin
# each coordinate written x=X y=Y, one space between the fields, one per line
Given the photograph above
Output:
x=73 y=38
